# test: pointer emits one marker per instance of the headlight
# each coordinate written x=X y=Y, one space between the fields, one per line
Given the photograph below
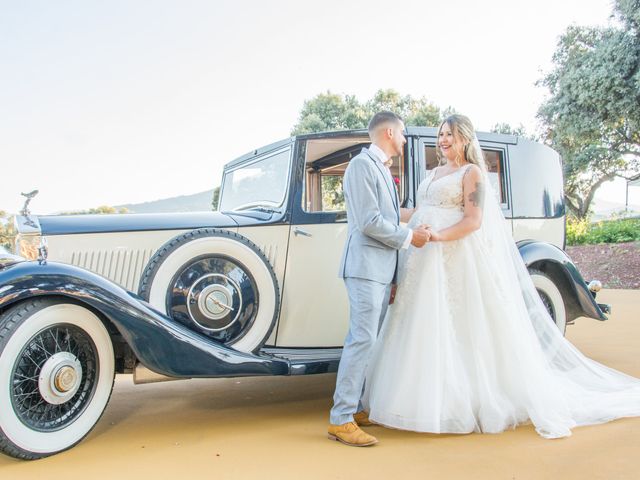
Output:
x=27 y=246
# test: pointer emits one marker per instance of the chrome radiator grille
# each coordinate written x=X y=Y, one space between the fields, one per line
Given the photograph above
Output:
x=122 y=266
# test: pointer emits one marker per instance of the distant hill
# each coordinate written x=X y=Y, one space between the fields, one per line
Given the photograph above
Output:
x=196 y=202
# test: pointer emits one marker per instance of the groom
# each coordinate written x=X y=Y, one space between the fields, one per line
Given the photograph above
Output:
x=368 y=267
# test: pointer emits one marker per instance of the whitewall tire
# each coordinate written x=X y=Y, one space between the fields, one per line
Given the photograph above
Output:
x=56 y=376
x=215 y=282
x=551 y=297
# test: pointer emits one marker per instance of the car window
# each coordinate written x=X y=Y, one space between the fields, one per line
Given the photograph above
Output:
x=495 y=166
x=323 y=179
x=261 y=183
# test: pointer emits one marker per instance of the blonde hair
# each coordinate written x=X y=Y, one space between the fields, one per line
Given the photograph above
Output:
x=462 y=127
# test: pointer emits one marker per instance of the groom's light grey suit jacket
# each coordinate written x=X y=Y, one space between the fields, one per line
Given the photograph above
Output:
x=373 y=214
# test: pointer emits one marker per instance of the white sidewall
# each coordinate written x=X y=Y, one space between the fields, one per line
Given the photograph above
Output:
x=238 y=251
x=51 y=442
x=545 y=284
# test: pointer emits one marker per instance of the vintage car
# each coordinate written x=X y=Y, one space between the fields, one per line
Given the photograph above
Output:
x=251 y=289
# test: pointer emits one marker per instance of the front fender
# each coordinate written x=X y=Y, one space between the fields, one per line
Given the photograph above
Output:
x=160 y=343
x=545 y=255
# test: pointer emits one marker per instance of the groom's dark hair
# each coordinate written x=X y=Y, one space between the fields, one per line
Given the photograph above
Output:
x=384 y=116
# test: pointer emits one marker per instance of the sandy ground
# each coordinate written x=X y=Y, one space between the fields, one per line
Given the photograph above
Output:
x=275 y=428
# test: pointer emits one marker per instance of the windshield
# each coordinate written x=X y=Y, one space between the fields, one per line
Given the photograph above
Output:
x=262 y=183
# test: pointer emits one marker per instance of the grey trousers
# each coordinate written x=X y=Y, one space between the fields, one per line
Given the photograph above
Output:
x=368 y=302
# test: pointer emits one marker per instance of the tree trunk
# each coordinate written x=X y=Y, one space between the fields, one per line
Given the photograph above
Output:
x=578 y=206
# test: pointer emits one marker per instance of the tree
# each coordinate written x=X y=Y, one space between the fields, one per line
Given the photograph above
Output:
x=329 y=111
x=414 y=111
x=592 y=116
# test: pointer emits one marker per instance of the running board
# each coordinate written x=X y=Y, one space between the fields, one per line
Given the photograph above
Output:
x=307 y=361
x=302 y=361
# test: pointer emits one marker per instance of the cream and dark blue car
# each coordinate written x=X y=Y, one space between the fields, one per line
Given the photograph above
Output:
x=250 y=289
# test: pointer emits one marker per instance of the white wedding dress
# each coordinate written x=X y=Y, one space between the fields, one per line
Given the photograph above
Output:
x=469 y=347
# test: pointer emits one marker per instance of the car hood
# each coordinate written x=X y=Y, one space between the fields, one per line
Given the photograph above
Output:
x=133 y=222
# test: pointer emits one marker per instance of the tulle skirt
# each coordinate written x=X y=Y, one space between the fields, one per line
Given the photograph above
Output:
x=458 y=352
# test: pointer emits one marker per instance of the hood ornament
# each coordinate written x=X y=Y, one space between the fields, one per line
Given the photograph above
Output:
x=29 y=196
x=28 y=221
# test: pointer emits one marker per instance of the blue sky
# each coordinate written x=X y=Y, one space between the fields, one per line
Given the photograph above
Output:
x=128 y=101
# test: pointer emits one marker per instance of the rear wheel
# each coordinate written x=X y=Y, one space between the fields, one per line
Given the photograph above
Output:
x=56 y=375
x=551 y=298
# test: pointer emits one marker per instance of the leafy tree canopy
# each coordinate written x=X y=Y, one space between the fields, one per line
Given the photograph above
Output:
x=592 y=116
x=329 y=111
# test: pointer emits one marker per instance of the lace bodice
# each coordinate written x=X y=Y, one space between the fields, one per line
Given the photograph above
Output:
x=445 y=192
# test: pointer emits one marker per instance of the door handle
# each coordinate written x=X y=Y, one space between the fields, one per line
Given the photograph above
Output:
x=298 y=231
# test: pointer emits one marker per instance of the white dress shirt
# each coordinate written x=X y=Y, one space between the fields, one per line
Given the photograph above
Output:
x=379 y=155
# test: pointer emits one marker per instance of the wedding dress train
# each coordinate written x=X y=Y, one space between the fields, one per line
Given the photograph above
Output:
x=468 y=345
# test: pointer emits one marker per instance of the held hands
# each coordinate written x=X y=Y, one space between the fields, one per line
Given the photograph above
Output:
x=435 y=236
x=421 y=235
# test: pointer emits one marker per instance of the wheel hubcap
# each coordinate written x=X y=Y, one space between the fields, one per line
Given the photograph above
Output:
x=60 y=378
x=214 y=295
x=214 y=302
x=65 y=379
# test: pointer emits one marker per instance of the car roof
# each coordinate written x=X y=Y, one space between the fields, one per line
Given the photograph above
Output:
x=410 y=131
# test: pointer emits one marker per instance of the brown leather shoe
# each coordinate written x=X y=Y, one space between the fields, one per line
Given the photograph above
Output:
x=350 y=434
x=362 y=419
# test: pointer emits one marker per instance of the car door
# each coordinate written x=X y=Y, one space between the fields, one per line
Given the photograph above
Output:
x=315 y=306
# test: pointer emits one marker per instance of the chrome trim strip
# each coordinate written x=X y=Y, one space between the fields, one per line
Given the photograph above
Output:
x=303 y=354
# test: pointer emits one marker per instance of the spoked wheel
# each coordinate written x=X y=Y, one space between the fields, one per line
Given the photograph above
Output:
x=56 y=375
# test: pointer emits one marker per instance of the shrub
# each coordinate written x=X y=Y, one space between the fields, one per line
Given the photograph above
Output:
x=611 y=231
x=577 y=230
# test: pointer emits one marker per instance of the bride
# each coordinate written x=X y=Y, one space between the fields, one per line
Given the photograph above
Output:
x=468 y=345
